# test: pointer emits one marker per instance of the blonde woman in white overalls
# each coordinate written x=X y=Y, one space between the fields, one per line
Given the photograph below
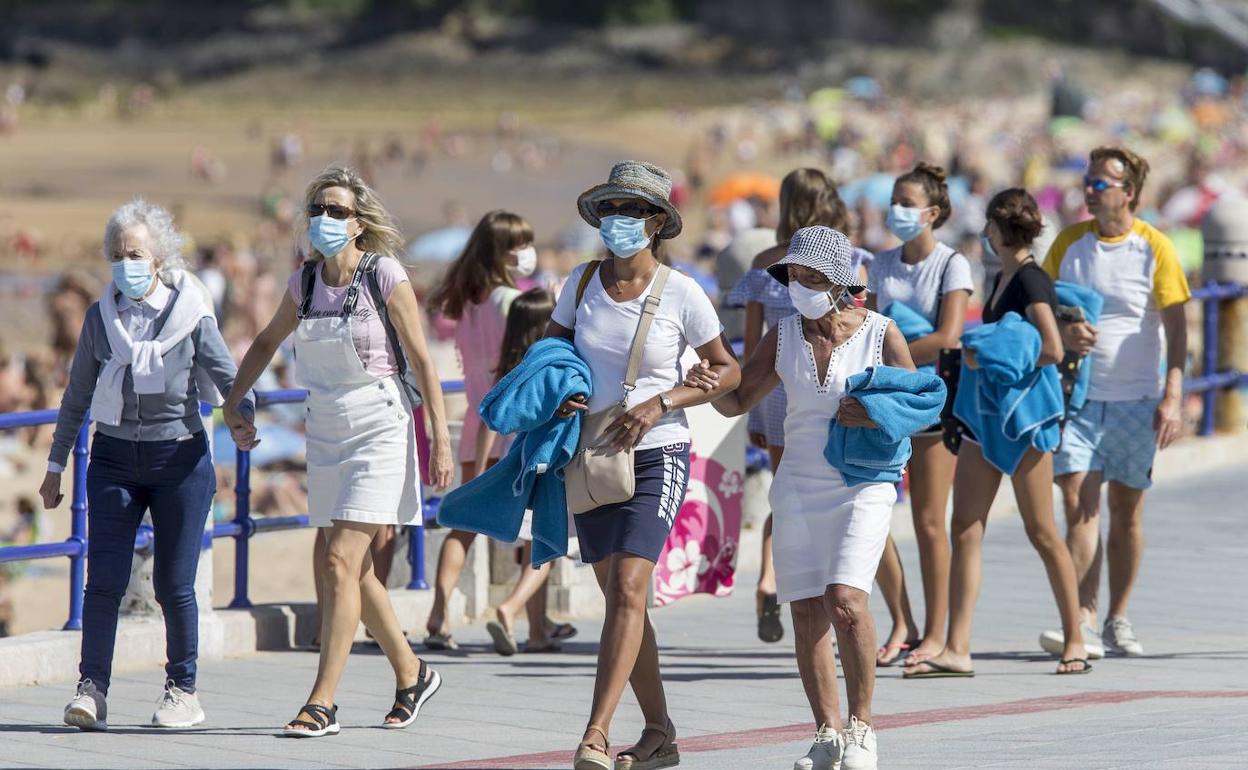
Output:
x=361 y=441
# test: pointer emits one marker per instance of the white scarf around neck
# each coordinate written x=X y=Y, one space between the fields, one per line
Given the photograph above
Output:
x=145 y=358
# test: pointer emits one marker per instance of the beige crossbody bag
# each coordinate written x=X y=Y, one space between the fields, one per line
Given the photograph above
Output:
x=598 y=474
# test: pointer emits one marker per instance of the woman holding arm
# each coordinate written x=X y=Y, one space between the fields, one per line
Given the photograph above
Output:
x=362 y=472
x=807 y=197
x=149 y=351
x=600 y=309
x=828 y=536
x=1022 y=287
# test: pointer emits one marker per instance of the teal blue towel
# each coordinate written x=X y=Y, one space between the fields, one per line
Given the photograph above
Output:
x=1007 y=402
x=530 y=476
x=901 y=403
x=912 y=325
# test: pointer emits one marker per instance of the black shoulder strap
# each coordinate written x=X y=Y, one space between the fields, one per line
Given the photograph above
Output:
x=309 y=282
x=368 y=268
x=940 y=287
x=365 y=266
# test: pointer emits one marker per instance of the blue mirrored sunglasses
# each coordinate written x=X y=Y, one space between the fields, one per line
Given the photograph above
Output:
x=1101 y=185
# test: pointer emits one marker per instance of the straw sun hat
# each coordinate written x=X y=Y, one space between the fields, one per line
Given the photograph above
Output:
x=633 y=179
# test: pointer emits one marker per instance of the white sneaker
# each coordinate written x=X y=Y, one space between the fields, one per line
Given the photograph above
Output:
x=88 y=710
x=860 y=747
x=1120 y=637
x=1053 y=642
x=825 y=752
x=177 y=708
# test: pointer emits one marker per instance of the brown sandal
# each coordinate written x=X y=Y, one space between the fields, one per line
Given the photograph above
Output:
x=590 y=758
x=666 y=755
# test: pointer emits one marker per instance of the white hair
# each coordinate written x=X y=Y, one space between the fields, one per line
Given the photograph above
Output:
x=166 y=241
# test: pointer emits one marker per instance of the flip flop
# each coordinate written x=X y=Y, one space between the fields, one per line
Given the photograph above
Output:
x=552 y=645
x=504 y=642
x=1087 y=667
x=563 y=631
x=936 y=671
x=901 y=649
x=441 y=642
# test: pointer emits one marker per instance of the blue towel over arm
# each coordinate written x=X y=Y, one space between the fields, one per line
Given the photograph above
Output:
x=1007 y=402
x=530 y=476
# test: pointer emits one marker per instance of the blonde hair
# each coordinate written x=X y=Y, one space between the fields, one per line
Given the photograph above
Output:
x=381 y=235
x=166 y=241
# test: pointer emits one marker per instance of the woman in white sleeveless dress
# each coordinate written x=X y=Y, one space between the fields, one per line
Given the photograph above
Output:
x=828 y=536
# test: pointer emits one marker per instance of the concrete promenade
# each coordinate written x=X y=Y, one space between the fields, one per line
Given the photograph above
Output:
x=738 y=703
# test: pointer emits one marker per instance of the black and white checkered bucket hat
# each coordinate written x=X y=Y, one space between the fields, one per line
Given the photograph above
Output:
x=823 y=249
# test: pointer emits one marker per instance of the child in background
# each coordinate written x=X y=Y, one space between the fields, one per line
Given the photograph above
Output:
x=526 y=323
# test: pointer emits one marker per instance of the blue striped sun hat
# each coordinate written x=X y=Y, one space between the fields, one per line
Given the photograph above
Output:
x=823 y=249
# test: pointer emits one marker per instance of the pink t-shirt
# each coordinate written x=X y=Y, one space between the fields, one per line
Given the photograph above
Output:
x=478 y=338
x=367 y=330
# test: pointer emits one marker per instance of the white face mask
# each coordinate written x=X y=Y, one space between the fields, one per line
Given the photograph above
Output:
x=812 y=303
x=526 y=262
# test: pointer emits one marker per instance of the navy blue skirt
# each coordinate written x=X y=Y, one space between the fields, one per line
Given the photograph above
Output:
x=639 y=526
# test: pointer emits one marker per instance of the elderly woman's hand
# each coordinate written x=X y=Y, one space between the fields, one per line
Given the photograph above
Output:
x=852 y=414
x=702 y=376
x=242 y=429
x=50 y=490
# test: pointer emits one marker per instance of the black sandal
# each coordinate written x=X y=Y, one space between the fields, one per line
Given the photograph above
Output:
x=409 y=700
x=324 y=722
x=770 y=629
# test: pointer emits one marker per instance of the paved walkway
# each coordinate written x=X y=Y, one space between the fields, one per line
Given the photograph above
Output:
x=738 y=703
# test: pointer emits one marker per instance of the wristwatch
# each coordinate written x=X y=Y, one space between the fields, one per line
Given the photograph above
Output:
x=665 y=401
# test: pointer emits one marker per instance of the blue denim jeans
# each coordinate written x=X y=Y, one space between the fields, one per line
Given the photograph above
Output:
x=175 y=480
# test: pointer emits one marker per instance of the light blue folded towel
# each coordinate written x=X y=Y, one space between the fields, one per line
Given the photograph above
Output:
x=901 y=403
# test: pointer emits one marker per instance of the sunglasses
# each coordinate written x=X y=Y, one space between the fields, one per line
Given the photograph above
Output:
x=634 y=209
x=1101 y=185
x=332 y=209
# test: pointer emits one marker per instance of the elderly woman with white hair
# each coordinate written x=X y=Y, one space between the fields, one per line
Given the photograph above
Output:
x=149 y=350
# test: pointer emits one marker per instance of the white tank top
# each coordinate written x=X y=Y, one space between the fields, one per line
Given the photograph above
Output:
x=813 y=404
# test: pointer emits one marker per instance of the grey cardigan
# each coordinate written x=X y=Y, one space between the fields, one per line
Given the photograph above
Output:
x=147 y=417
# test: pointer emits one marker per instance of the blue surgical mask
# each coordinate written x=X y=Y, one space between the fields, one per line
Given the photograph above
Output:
x=986 y=245
x=904 y=222
x=624 y=236
x=328 y=235
x=133 y=277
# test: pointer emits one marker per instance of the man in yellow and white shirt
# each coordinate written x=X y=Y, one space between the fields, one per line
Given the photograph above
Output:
x=1133 y=406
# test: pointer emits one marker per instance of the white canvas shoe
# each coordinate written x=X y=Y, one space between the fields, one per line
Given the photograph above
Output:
x=1120 y=637
x=88 y=710
x=860 y=747
x=177 y=708
x=1053 y=642
x=825 y=752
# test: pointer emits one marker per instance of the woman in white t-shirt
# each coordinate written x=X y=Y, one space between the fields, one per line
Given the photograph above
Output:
x=476 y=293
x=934 y=280
x=600 y=308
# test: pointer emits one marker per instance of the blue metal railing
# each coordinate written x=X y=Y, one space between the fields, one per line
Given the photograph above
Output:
x=242 y=528
x=1213 y=378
